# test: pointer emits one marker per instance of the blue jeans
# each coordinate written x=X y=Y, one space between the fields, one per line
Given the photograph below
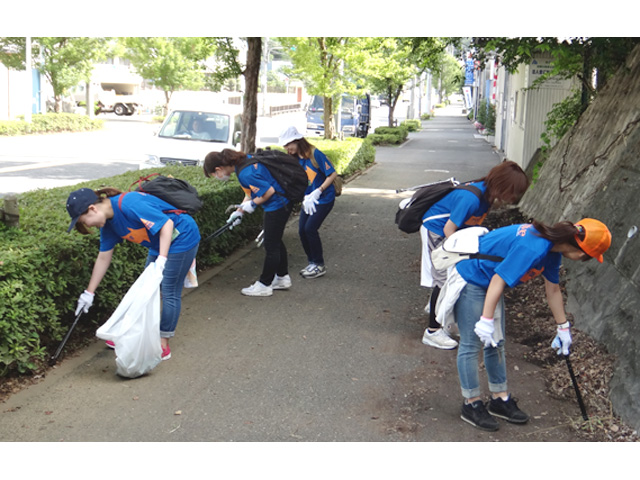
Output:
x=308 y=231
x=173 y=276
x=468 y=310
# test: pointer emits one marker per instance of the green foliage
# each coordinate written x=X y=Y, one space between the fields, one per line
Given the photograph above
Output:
x=412 y=125
x=50 y=123
x=64 y=61
x=562 y=116
x=43 y=269
x=389 y=135
x=487 y=115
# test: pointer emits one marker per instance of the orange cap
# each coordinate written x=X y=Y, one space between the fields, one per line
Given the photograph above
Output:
x=597 y=237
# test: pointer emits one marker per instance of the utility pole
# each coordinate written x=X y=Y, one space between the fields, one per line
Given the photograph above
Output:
x=29 y=82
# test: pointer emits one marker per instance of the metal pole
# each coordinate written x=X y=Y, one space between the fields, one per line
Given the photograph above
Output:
x=29 y=82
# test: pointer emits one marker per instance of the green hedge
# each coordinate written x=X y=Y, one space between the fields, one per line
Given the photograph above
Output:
x=50 y=123
x=389 y=135
x=43 y=269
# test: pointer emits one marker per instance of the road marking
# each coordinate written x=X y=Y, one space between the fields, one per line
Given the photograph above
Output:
x=401 y=146
x=35 y=166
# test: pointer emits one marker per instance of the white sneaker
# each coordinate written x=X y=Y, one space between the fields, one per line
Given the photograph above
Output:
x=281 y=283
x=258 y=289
x=316 y=271
x=308 y=268
x=439 y=339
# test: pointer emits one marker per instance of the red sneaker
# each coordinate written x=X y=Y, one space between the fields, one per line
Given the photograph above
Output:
x=110 y=344
x=166 y=353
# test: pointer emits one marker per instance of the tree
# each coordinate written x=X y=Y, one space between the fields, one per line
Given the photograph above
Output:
x=171 y=63
x=230 y=67
x=64 y=61
x=394 y=61
x=573 y=57
x=330 y=67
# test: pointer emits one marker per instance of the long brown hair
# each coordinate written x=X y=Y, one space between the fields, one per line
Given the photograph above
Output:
x=506 y=182
x=304 y=148
x=561 y=232
x=103 y=194
x=225 y=158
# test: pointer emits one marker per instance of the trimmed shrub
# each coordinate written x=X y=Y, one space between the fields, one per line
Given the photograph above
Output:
x=50 y=123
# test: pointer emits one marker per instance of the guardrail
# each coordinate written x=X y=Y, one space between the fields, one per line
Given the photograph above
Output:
x=275 y=110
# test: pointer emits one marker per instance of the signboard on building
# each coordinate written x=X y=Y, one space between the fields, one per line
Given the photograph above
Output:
x=469 y=72
x=540 y=67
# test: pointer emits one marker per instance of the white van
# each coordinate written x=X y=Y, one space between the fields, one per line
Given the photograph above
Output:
x=188 y=134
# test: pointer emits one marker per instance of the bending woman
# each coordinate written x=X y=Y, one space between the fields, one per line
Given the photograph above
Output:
x=473 y=292
x=318 y=201
x=172 y=239
x=260 y=189
x=504 y=184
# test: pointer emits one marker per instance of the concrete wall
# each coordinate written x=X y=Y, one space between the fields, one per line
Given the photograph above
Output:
x=594 y=171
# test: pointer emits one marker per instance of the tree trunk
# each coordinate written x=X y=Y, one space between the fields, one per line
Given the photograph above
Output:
x=252 y=80
x=329 y=126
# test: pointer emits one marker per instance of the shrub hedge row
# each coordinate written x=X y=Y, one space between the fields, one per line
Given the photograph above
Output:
x=43 y=268
x=50 y=123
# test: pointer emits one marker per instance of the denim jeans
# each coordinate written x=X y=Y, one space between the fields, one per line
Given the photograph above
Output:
x=308 y=231
x=468 y=310
x=173 y=276
x=276 y=259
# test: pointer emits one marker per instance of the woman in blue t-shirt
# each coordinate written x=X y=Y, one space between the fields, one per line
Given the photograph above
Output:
x=504 y=184
x=473 y=292
x=260 y=189
x=318 y=201
x=172 y=238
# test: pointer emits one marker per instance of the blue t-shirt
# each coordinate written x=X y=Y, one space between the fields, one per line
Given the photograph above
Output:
x=462 y=207
x=526 y=255
x=139 y=219
x=255 y=180
x=317 y=176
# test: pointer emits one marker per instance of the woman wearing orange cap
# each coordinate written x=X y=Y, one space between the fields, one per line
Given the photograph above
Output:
x=473 y=292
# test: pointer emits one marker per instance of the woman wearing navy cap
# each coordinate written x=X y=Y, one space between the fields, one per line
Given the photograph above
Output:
x=172 y=239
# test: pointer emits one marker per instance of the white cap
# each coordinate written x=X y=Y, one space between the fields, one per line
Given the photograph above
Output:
x=289 y=135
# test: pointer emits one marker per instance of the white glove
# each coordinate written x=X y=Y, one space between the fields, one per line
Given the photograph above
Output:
x=160 y=263
x=315 y=195
x=248 y=206
x=562 y=341
x=308 y=205
x=84 y=302
x=484 y=329
x=235 y=219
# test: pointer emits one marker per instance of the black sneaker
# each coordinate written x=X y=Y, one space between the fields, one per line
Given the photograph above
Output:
x=476 y=414
x=507 y=409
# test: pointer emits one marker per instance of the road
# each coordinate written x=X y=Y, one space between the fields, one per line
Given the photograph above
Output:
x=31 y=162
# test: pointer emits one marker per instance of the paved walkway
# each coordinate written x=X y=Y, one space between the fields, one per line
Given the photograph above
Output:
x=338 y=358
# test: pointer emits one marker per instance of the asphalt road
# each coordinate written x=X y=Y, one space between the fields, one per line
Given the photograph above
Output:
x=334 y=359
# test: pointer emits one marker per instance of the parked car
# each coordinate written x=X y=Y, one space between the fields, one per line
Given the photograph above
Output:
x=188 y=135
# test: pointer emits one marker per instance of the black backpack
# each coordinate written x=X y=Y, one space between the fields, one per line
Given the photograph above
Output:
x=286 y=170
x=409 y=218
x=177 y=193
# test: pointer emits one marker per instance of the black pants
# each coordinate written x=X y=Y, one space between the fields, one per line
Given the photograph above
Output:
x=276 y=260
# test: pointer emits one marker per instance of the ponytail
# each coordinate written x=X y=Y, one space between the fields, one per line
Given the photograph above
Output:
x=561 y=232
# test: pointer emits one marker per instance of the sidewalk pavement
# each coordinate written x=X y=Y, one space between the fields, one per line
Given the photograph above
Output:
x=337 y=358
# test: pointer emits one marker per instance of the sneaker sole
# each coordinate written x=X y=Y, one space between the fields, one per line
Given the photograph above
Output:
x=486 y=429
x=426 y=341
x=314 y=276
x=510 y=420
x=167 y=357
x=281 y=288
x=265 y=294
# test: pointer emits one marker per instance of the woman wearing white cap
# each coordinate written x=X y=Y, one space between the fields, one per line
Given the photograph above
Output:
x=318 y=201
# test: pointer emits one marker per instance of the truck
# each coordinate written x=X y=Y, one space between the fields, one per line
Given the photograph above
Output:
x=355 y=115
x=114 y=88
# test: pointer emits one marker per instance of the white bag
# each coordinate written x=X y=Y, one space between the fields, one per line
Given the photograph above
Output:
x=461 y=245
x=134 y=327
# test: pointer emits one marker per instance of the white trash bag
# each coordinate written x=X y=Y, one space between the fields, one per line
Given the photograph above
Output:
x=134 y=327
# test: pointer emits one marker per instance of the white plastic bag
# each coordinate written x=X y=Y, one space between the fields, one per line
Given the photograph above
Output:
x=191 y=280
x=134 y=327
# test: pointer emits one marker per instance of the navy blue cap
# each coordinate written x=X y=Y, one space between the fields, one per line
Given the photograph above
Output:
x=78 y=203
